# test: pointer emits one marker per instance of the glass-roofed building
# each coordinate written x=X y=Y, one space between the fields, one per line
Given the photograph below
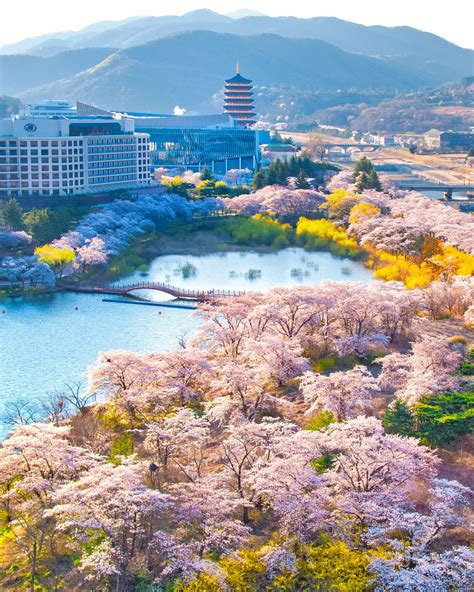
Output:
x=195 y=141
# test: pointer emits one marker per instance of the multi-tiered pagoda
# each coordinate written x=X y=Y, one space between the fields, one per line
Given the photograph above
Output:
x=239 y=101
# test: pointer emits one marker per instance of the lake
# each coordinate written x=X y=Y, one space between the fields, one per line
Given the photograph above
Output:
x=49 y=340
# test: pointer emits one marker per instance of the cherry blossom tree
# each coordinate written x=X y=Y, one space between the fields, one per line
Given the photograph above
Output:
x=427 y=370
x=183 y=374
x=276 y=200
x=452 y=297
x=343 y=180
x=39 y=275
x=238 y=390
x=206 y=517
x=369 y=316
x=345 y=394
x=12 y=239
x=149 y=382
x=389 y=234
x=247 y=448
x=27 y=271
x=180 y=440
x=433 y=572
x=34 y=462
x=125 y=376
x=110 y=504
x=433 y=217
x=92 y=253
x=418 y=565
x=367 y=460
x=291 y=488
x=227 y=322
x=292 y=312
x=279 y=359
x=444 y=507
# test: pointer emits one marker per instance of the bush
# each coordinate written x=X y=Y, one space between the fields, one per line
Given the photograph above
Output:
x=121 y=446
x=467 y=369
x=261 y=230
x=331 y=565
x=320 y=421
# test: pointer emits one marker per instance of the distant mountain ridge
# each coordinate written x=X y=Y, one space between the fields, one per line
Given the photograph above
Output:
x=352 y=37
x=18 y=73
x=156 y=63
x=161 y=74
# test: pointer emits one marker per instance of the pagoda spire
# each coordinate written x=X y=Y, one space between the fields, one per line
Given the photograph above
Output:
x=239 y=101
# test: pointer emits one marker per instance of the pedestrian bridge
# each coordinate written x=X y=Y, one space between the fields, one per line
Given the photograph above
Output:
x=176 y=292
x=345 y=149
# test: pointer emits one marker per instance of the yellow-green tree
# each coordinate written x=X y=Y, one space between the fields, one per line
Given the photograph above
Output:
x=362 y=211
x=331 y=565
x=340 y=203
x=57 y=258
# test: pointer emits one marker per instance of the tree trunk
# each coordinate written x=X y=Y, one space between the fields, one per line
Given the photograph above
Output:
x=33 y=568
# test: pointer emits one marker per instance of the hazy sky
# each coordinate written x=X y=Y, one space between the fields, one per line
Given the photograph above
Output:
x=452 y=20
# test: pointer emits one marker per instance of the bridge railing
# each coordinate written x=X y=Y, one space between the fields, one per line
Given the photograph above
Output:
x=161 y=286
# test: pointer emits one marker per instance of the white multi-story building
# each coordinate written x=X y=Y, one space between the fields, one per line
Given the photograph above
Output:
x=64 y=156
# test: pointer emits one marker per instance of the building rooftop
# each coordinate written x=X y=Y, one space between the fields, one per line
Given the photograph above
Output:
x=187 y=121
x=238 y=79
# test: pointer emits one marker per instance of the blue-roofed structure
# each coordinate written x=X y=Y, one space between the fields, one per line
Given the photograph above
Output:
x=194 y=141
x=213 y=121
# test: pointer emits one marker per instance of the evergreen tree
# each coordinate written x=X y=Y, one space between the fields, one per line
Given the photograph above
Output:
x=398 y=419
x=374 y=181
x=436 y=419
x=363 y=165
x=365 y=175
x=443 y=418
x=12 y=215
x=206 y=174
x=259 y=180
x=361 y=181
x=302 y=181
x=308 y=166
x=293 y=167
x=45 y=225
x=281 y=172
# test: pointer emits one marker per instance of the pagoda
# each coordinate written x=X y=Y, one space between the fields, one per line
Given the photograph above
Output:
x=239 y=101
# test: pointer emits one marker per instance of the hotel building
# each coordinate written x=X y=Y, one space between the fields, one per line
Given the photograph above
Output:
x=57 y=156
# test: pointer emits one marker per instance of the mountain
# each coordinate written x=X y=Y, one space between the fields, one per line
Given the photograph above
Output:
x=454 y=62
x=244 y=12
x=189 y=69
x=21 y=72
x=65 y=39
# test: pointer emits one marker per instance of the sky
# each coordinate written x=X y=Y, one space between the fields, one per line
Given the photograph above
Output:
x=452 y=20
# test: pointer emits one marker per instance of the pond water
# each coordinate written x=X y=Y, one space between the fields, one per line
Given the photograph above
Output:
x=48 y=341
x=242 y=270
